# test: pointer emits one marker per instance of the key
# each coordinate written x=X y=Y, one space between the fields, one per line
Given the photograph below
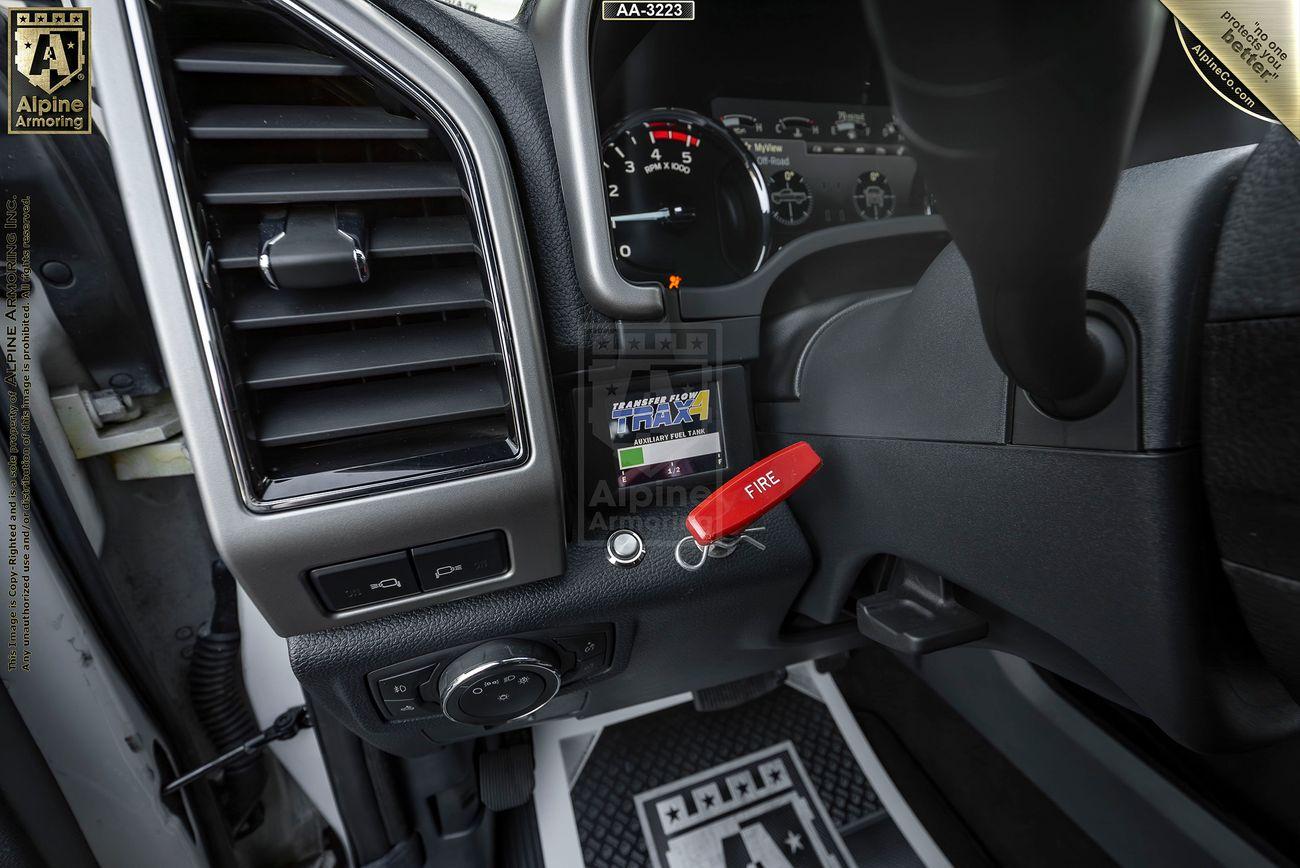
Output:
x=752 y=492
x=725 y=518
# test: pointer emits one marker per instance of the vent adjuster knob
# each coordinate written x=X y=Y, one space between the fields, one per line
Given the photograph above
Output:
x=313 y=248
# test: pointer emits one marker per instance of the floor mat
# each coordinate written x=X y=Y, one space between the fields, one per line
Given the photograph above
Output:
x=771 y=783
x=1012 y=819
x=757 y=810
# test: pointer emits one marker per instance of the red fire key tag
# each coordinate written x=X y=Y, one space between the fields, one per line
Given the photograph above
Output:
x=752 y=492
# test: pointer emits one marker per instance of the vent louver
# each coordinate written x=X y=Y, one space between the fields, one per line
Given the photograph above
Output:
x=360 y=337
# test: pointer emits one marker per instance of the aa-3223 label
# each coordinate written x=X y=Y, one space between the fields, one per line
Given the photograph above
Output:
x=620 y=10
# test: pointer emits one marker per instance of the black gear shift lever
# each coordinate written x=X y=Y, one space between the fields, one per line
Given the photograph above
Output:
x=1021 y=115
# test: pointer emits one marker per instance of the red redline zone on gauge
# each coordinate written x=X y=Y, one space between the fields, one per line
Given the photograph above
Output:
x=660 y=132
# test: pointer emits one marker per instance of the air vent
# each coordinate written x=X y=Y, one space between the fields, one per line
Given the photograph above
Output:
x=360 y=334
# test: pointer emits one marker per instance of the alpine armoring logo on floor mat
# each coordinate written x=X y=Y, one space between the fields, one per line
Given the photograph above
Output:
x=759 y=810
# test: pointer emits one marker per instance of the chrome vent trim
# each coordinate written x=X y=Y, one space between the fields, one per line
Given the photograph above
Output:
x=270 y=551
x=393 y=237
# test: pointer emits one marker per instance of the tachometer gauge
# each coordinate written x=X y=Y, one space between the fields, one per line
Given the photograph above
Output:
x=873 y=197
x=791 y=201
x=685 y=200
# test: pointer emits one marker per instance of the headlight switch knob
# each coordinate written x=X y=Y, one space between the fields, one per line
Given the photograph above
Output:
x=499 y=681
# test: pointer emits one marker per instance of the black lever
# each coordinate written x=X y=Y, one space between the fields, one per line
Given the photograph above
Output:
x=1021 y=116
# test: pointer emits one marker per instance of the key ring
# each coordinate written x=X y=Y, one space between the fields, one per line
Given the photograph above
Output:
x=719 y=548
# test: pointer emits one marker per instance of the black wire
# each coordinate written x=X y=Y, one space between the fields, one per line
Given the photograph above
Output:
x=55 y=519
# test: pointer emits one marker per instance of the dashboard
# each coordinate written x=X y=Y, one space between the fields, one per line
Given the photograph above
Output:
x=463 y=318
x=748 y=162
x=724 y=140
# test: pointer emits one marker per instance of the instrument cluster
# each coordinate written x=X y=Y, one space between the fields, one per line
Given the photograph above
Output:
x=717 y=152
x=706 y=199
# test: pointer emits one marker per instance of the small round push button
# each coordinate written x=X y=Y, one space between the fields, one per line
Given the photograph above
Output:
x=624 y=548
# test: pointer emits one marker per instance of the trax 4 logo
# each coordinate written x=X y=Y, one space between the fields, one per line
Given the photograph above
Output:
x=651 y=414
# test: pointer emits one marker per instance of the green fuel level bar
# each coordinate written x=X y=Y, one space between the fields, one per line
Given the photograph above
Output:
x=669 y=450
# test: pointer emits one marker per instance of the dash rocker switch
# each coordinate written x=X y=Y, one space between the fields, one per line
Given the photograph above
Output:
x=587 y=646
x=588 y=652
x=462 y=560
x=369 y=580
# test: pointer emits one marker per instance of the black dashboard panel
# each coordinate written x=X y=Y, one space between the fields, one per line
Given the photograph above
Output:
x=759 y=49
x=501 y=63
x=672 y=630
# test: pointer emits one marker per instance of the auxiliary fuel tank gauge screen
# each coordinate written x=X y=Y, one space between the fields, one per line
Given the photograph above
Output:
x=666 y=435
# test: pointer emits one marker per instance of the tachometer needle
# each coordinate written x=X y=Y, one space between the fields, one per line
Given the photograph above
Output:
x=640 y=217
x=676 y=214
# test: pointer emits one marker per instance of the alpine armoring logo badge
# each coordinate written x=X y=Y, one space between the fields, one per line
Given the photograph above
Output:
x=49 y=70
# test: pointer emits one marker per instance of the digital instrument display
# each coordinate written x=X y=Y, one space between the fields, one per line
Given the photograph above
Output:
x=826 y=164
x=664 y=435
